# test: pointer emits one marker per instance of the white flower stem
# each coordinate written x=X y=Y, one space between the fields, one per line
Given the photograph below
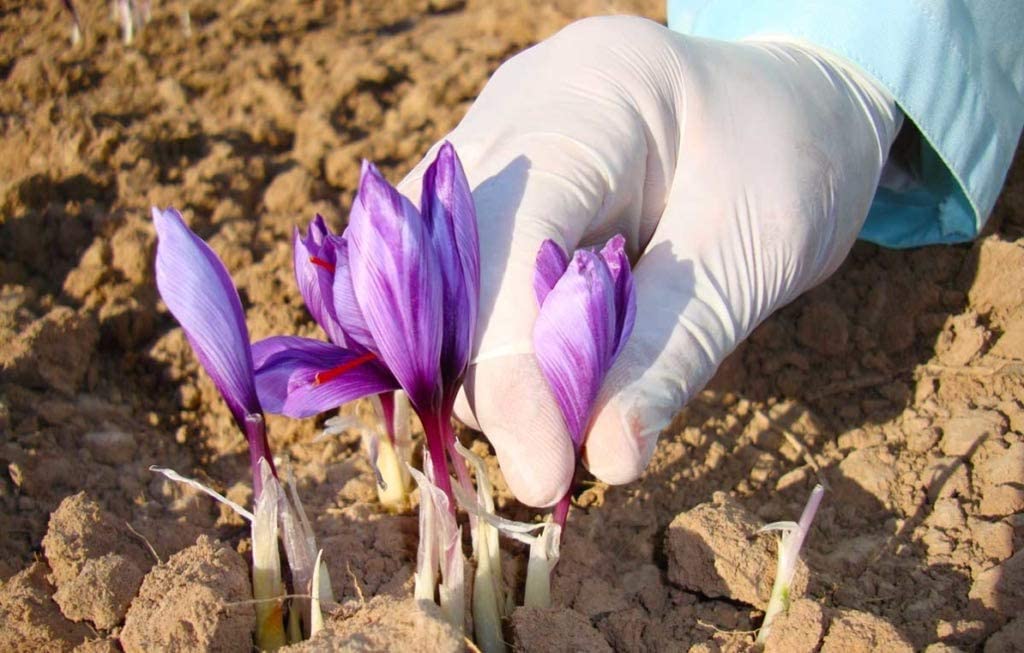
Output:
x=267 y=587
x=792 y=540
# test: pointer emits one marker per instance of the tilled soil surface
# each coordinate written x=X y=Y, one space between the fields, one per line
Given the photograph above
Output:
x=898 y=382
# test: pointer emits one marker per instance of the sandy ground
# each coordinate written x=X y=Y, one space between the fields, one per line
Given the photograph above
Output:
x=899 y=381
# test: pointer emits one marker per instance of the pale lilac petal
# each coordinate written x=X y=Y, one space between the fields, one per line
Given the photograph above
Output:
x=450 y=215
x=199 y=293
x=311 y=376
x=574 y=335
x=346 y=308
x=397 y=284
x=551 y=265
x=314 y=261
x=264 y=349
x=614 y=254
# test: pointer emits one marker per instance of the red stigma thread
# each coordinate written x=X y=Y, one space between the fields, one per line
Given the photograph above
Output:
x=316 y=260
x=335 y=372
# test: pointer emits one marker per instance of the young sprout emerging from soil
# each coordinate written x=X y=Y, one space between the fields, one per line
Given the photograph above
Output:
x=198 y=291
x=403 y=289
x=587 y=310
x=133 y=14
x=76 y=23
x=792 y=540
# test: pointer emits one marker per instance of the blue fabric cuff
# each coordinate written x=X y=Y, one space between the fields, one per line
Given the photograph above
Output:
x=955 y=69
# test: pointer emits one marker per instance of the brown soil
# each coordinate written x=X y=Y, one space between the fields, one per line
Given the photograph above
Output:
x=910 y=405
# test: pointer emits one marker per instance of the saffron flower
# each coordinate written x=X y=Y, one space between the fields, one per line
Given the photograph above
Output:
x=401 y=312
x=199 y=293
x=792 y=540
x=320 y=261
x=404 y=294
x=587 y=311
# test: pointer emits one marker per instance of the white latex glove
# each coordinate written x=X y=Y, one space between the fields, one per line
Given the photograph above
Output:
x=739 y=173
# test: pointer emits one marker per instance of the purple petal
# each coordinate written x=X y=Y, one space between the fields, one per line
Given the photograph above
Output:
x=314 y=261
x=450 y=216
x=397 y=283
x=264 y=349
x=199 y=293
x=346 y=308
x=574 y=338
x=311 y=376
x=614 y=254
x=551 y=265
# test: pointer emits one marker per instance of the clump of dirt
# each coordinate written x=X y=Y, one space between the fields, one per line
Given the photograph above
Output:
x=801 y=628
x=32 y=621
x=897 y=382
x=385 y=624
x=547 y=630
x=715 y=549
x=199 y=600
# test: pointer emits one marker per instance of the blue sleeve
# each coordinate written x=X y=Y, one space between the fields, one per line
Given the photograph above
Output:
x=956 y=69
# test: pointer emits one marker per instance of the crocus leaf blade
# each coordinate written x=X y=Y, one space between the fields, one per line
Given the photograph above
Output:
x=198 y=291
x=313 y=376
x=551 y=265
x=397 y=283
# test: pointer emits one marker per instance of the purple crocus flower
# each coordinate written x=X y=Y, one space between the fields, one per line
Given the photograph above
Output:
x=199 y=293
x=587 y=310
x=404 y=295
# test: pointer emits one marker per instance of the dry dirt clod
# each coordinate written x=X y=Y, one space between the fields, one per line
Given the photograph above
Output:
x=965 y=431
x=963 y=339
x=102 y=591
x=385 y=624
x=29 y=619
x=715 y=549
x=824 y=328
x=54 y=351
x=799 y=629
x=1009 y=639
x=196 y=601
x=80 y=531
x=108 y=645
x=867 y=478
x=1001 y=588
x=555 y=630
x=853 y=631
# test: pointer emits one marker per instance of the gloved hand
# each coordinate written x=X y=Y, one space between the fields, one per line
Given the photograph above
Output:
x=739 y=173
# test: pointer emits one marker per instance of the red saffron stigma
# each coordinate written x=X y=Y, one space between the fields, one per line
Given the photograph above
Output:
x=335 y=372
x=316 y=260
